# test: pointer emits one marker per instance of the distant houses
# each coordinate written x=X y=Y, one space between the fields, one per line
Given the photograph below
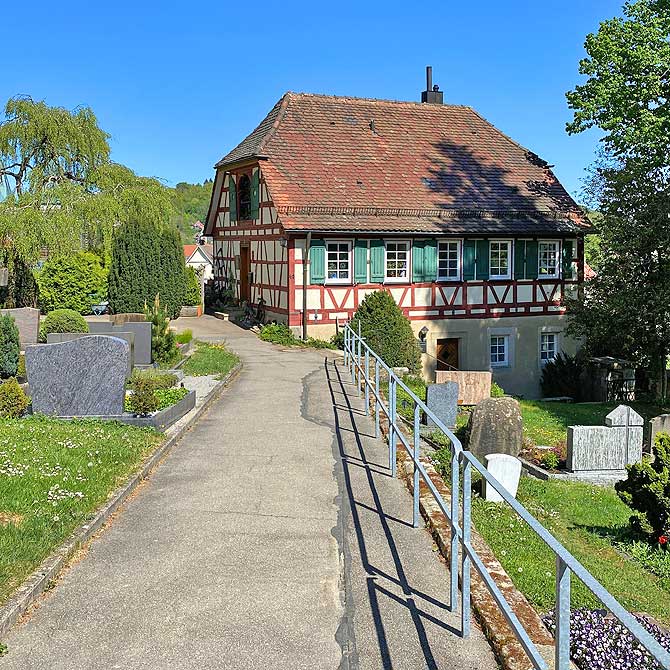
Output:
x=200 y=257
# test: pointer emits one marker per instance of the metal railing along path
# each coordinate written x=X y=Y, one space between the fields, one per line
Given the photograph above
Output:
x=366 y=368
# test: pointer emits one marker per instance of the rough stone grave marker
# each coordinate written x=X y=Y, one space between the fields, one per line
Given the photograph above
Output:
x=442 y=399
x=495 y=427
x=83 y=377
x=659 y=424
x=606 y=448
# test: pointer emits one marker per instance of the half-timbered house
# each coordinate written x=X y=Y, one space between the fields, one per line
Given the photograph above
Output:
x=330 y=198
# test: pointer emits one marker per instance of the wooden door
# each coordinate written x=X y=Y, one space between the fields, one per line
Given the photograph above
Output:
x=245 y=269
x=447 y=354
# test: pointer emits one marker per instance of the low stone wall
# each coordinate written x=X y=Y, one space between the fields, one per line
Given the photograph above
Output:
x=473 y=387
x=27 y=320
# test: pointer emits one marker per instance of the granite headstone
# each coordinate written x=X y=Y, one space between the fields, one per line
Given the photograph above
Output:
x=609 y=447
x=83 y=377
x=442 y=399
x=142 y=341
x=495 y=427
x=56 y=338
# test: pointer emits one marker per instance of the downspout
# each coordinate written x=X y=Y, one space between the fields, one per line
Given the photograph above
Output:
x=305 y=262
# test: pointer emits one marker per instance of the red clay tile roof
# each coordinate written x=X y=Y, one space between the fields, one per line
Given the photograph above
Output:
x=400 y=165
x=208 y=250
x=189 y=249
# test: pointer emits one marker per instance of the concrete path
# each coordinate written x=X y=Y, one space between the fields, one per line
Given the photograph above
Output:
x=271 y=537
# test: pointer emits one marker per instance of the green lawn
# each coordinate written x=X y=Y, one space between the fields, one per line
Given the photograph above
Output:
x=210 y=359
x=53 y=475
x=592 y=523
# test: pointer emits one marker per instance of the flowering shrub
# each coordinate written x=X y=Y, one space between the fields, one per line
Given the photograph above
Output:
x=599 y=642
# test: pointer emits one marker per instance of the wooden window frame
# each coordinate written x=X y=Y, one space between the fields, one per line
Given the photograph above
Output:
x=398 y=280
x=557 y=264
x=240 y=176
x=459 y=261
x=350 y=271
x=510 y=246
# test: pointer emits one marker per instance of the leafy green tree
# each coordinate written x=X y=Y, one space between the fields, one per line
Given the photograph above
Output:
x=191 y=202
x=387 y=331
x=626 y=310
x=64 y=192
x=21 y=289
x=72 y=282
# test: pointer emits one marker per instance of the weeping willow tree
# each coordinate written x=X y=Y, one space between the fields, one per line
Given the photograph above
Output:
x=62 y=192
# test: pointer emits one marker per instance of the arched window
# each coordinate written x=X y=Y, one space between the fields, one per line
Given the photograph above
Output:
x=244 y=197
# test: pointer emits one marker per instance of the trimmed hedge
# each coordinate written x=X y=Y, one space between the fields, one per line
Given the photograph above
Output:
x=72 y=282
x=388 y=331
x=62 y=321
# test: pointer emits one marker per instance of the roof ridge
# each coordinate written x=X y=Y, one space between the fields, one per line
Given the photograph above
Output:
x=355 y=98
x=275 y=124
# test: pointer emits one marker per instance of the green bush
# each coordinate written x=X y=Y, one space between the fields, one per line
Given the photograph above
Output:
x=647 y=490
x=62 y=321
x=388 y=331
x=163 y=340
x=497 y=391
x=185 y=336
x=562 y=377
x=193 y=292
x=142 y=400
x=72 y=282
x=13 y=400
x=159 y=379
x=21 y=368
x=9 y=347
x=147 y=260
x=337 y=340
x=168 y=397
x=550 y=460
x=279 y=333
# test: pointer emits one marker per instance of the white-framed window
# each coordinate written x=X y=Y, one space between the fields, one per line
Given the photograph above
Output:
x=397 y=261
x=499 y=347
x=548 y=256
x=338 y=262
x=548 y=347
x=500 y=259
x=449 y=260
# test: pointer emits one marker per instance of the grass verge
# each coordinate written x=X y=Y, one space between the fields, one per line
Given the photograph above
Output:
x=54 y=474
x=210 y=359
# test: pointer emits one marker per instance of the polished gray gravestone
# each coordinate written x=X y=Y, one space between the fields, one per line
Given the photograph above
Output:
x=142 y=340
x=83 y=377
x=442 y=399
x=56 y=338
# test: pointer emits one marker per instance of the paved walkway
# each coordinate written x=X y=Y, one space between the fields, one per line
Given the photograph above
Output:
x=271 y=537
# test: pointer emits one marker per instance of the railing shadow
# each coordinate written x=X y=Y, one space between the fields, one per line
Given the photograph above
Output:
x=335 y=385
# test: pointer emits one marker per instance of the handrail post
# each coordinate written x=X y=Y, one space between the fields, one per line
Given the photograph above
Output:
x=465 y=556
x=417 y=445
x=367 y=380
x=562 y=614
x=359 y=362
x=455 y=477
x=346 y=343
x=392 y=424
x=377 y=406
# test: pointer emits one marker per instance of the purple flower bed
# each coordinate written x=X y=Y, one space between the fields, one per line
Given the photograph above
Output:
x=600 y=642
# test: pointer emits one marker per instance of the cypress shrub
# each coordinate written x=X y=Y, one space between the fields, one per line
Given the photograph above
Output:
x=21 y=289
x=9 y=347
x=193 y=293
x=72 y=282
x=163 y=340
x=388 y=331
x=147 y=260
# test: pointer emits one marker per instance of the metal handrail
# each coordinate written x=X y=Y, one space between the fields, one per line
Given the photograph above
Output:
x=359 y=358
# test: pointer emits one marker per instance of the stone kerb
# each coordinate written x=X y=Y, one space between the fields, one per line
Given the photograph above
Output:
x=83 y=377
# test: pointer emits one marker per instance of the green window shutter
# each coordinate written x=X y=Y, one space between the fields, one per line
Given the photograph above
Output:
x=255 y=180
x=468 y=260
x=430 y=260
x=232 y=198
x=519 y=259
x=531 y=259
x=361 y=261
x=317 y=262
x=482 y=260
x=568 y=271
x=377 y=272
x=417 y=261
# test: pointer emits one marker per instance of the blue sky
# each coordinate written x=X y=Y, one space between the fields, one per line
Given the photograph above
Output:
x=178 y=85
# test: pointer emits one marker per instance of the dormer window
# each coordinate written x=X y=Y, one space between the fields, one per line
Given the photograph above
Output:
x=244 y=197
